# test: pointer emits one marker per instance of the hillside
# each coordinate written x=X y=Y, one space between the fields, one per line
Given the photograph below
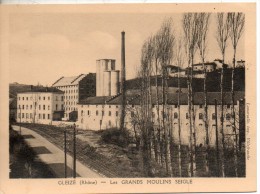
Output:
x=213 y=81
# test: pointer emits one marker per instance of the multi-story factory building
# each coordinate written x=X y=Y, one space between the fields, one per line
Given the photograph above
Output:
x=40 y=105
x=75 y=88
x=97 y=113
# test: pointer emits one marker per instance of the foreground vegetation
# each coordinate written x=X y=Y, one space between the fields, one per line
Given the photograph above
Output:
x=23 y=161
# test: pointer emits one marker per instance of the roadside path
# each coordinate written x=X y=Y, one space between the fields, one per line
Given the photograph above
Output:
x=53 y=156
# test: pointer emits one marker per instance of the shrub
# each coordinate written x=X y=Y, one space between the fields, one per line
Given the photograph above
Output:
x=115 y=136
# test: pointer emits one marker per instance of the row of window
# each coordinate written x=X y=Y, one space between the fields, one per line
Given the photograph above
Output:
x=30 y=116
x=43 y=107
x=70 y=97
x=70 y=109
x=175 y=115
x=71 y=103
x=40 y=98
x=97 y=113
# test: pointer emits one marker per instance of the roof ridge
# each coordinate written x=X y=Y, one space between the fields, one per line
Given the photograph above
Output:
x=76 y=78
x=57 y=80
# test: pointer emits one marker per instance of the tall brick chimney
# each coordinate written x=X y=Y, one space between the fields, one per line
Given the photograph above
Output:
x=122 y=86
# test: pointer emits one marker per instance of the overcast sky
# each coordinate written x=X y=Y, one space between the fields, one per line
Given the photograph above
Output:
x=45 y=46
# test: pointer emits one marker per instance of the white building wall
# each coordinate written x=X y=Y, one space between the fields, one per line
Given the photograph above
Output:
x=89 y=120
x=38 y=107
x=71 y=97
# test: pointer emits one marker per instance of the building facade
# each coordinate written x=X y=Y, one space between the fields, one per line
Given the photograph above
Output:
x=99 y=113
x=40 y=105
x=75 y=88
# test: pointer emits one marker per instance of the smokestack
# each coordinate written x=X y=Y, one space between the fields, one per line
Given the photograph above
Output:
x=122 y=88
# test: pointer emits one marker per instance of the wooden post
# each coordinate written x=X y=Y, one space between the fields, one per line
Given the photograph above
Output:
x=217 y=148
x=74 y=151
x=20 y=121
x=65 y=153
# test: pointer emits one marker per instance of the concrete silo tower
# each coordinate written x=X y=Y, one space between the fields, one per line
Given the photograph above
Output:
x=105 y=71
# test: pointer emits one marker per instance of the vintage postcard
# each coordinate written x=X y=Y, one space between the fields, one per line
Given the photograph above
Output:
x=126 y=98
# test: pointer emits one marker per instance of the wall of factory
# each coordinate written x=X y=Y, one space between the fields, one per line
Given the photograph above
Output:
x=114 y=88
x=96 y=117
x=38 y=107
x=90 y=117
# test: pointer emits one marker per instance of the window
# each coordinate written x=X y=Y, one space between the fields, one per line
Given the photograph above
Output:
x=176 y=106
x=48 y=116
x=200 y=116
x=82 y=113
x=19 y=115
x=56 y=106
x=133 y=105
x=23 y=107
x=97 y=112
x=27 y=115
x=48 y=107
x=39 y=98
x=26 y=107
x=49 y=98
x=187 y=115
x=228 y=116
x=39 y=107
x=19 y=107
x=43 y=107
x=109 y=113
x=43 y=116
x=62 y=98
x=22 y=115
x=228 y=106
x=23 y=98
x=116 y=113
x=39 y=116
x=43 y=97
x=88 y=112
x=175 y=115
x=62 y=107
x=30 y=115
x=200 y=105
x=213 y=116
x=26 y=98
x=31 y=107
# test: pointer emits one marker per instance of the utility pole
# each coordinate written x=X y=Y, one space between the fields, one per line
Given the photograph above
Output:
x=74 y=151
x=65 y=153
x=20 y=120
x=217 y=148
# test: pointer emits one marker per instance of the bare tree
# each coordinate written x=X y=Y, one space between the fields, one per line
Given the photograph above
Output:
x=223 y=31
x=179 y=63
x=203 y=22
x=237 y=22
x=190 y=28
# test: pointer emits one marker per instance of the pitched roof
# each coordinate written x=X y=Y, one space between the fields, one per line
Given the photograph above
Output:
x=133 y=97
x=42 y=89
x=68 y=81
